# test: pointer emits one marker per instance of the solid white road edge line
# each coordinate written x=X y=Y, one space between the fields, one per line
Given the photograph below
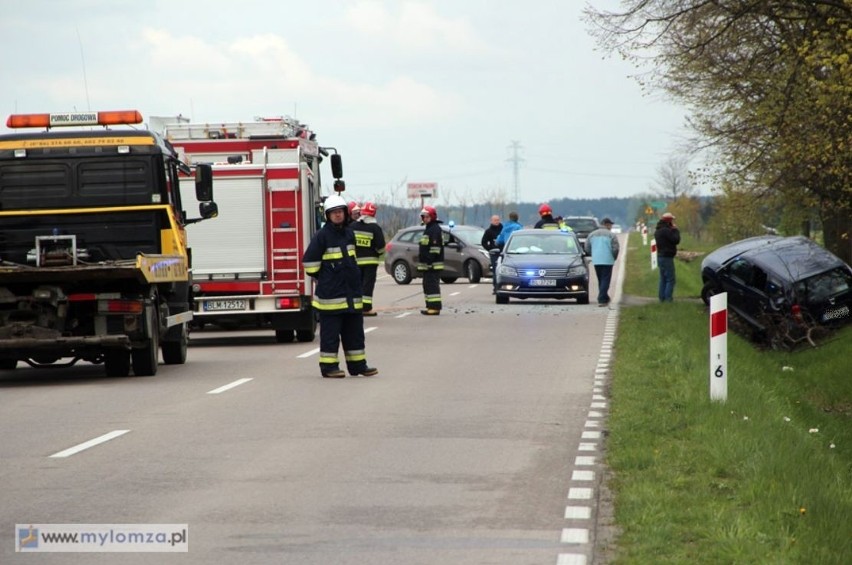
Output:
x=91 y=443
x=229 y=386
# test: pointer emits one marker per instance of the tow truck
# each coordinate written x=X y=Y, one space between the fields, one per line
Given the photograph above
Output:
x=93 y=253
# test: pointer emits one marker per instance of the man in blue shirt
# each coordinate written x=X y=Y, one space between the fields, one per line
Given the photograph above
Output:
x=602 y=245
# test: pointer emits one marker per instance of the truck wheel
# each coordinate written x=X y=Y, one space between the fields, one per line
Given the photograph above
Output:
x=117 y=362
x=283 y=336
x=305 y=336
x=145 y=358
x=174 y=352
x=8 y=364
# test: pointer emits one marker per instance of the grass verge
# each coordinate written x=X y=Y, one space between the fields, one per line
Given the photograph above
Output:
x=765 y=477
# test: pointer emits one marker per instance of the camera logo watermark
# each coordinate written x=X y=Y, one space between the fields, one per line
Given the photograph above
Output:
x=102 y=538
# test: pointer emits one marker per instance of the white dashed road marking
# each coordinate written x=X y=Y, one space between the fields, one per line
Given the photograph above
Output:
x=228 y=386
x=91 y=443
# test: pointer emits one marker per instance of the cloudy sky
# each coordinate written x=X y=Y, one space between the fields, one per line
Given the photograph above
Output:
x=407 y=91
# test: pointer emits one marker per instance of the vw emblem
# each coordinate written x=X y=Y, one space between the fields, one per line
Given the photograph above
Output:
x=542 y=272
x=831 y=300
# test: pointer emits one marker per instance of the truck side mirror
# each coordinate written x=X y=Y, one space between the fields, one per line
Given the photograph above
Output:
x=336 y=165
x=204 y=182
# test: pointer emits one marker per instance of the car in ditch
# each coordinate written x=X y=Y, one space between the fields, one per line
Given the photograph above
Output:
x=464 y=255
x=542 y=264
x=782 y=287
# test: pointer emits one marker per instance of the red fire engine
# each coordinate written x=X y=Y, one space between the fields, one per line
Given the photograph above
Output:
x=247 y=270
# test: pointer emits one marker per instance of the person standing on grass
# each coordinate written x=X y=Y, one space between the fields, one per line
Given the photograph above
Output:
x=602 y=246
x=667 y=237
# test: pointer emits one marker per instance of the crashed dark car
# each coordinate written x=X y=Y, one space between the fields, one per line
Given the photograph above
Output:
x=542 y=264
x=781 y=287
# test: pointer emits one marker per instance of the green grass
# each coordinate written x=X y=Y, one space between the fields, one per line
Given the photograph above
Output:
x=744 y=481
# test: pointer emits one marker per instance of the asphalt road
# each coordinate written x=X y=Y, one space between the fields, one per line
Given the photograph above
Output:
x=463 y=450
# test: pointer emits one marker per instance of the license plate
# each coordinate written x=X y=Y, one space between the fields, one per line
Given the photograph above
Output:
x=221 y=305
x=835 y=314
x=543 y=282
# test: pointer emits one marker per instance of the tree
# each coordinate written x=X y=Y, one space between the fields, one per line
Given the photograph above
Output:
x=673 y=180
x=770 y=84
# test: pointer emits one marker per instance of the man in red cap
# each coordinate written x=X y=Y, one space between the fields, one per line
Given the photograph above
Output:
x=667 y=237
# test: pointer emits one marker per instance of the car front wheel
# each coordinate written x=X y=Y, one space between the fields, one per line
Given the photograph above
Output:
x=473 y=270
x=707 y=291
x=401 y=272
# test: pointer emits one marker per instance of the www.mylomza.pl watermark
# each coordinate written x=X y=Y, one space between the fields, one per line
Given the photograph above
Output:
x=102 y=538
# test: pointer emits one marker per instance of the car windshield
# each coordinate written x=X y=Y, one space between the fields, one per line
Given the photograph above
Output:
x=555 y=244
x=582 y=224
x=471 y=235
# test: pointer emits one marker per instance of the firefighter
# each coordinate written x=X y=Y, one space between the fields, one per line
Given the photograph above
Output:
x=330 y=259
x=354 y=211
x=370 y=251
x=431 y=260
x=547 y=222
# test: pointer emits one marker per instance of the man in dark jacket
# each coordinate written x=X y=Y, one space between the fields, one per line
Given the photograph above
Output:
x=667 y=238
x=330 y=259
x=431 y=260
x=489 y=242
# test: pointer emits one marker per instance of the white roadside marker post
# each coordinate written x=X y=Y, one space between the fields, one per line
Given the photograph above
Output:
x=719 y=347
x=653 y=254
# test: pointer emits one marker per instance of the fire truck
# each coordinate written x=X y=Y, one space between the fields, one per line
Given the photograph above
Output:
x=93 y=255
x=247 y=268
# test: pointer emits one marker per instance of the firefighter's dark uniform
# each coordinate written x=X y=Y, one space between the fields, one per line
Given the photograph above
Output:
x=547 y=222
x=330 y=258
x=370 y=251
x=431 y=264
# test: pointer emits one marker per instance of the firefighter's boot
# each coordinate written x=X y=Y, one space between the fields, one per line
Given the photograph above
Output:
x=333 y=374
x=430 y=312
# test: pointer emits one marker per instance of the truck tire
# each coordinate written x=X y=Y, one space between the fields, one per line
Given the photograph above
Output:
x=117 y=362
x=305 y=336
x=174 y=352
x=283 y=336
x=145 y=358
x=8 y=364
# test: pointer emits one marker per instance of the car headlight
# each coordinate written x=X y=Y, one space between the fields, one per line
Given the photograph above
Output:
x=507 y=271
x=577 y=271
x=484 y=252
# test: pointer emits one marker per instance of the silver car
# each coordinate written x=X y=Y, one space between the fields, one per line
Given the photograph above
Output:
x=464 y=255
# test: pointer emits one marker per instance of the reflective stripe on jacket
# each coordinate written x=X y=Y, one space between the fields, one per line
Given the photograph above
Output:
x=330 y=259
x=431 y=256
x=369 y=241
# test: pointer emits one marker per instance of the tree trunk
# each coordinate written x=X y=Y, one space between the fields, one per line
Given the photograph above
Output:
x=837 y=231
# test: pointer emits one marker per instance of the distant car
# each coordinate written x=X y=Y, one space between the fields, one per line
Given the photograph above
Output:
x=464 y=255
x=542 y=264
x=616 y=228
x=770 y=278
x=582 y=226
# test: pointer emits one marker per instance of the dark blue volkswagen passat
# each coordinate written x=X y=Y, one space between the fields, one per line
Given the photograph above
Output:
x=542 y=264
